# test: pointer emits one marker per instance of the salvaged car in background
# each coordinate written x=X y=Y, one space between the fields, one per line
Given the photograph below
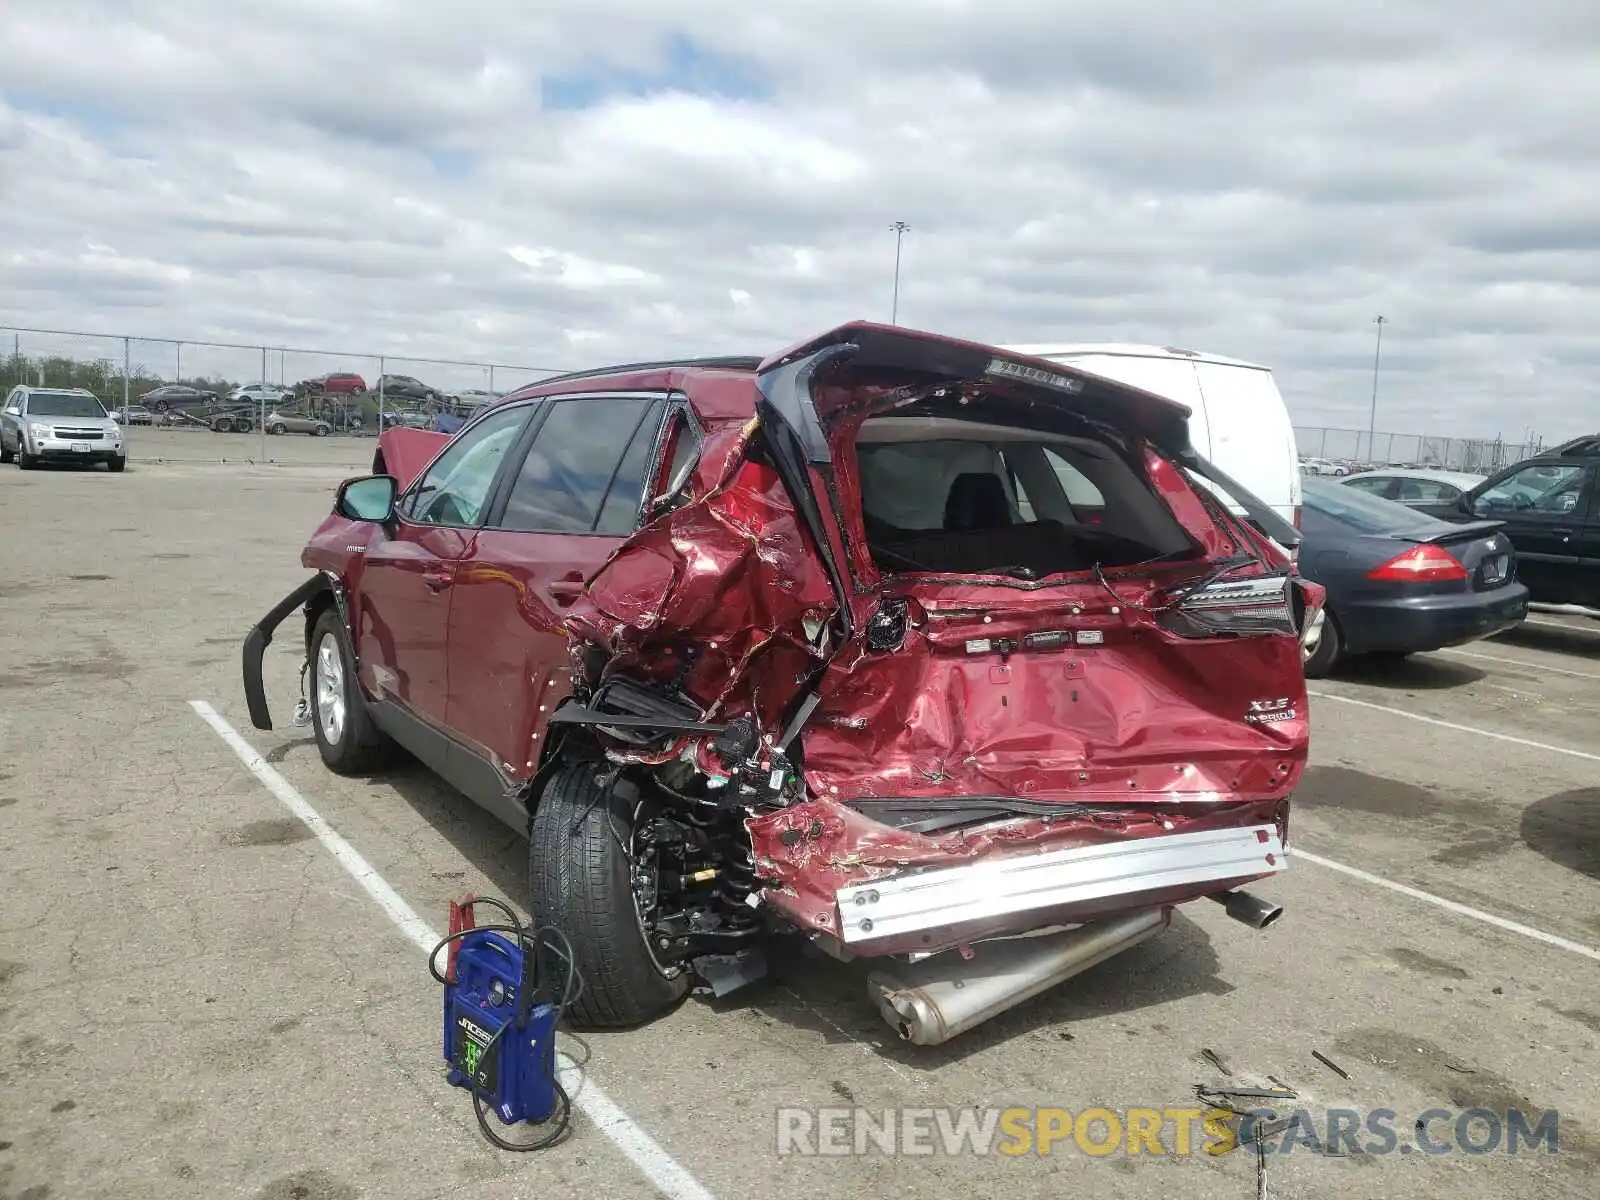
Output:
x=906 y=643
x=280 y=422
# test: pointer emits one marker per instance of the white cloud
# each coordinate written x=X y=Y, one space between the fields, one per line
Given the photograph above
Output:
x=574 y=183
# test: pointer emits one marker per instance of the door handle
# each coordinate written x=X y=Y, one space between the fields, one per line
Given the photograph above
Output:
x=566 y=589
x=435 y=581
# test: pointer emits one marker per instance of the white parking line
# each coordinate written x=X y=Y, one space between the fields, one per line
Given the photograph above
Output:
x=1561 y=625
x=1520 y=662
x=1462 y=910
x=663 y=1171
x=1483 y=733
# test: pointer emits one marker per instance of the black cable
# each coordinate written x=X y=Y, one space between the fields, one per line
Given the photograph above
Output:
x=457 y=936
x=562 y=1116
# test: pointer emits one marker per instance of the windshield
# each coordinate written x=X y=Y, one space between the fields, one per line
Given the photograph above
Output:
x=1359 y=510
x=63 y=404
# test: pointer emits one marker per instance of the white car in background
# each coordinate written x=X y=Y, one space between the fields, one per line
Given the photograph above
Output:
x=1238 y=420
x=1320 y=466
x=271 y=394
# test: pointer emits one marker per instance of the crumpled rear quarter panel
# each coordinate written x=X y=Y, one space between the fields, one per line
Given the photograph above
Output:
x=725 y=583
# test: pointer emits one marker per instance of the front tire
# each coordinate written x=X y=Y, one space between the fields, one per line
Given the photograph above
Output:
x=26 y=461
x=581 y=880
x=117 y=465
x=347 y=738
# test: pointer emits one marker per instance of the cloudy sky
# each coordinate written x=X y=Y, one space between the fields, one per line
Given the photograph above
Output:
x=579 y=181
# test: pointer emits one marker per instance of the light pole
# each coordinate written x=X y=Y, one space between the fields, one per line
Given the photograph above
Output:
x=899 y=229
x=1372 y=420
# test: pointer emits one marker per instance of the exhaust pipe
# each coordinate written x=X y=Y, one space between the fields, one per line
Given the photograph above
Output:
x=932 y=1001
x=1252 y=910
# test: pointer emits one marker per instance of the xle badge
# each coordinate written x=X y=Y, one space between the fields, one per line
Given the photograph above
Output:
x=1265 y=712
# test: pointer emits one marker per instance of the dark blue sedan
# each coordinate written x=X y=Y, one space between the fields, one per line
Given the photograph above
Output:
x=1399 y=581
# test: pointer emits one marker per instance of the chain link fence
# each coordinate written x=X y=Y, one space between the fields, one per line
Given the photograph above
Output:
x=235 y=389
x=1357 y=449
x=201 y=398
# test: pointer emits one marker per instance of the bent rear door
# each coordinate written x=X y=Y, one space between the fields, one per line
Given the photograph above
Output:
x=403 y=596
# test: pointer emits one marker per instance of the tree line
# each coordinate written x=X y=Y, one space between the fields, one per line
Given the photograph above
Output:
x=102 y=376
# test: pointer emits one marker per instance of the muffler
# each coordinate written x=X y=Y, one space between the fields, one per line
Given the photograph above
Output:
x=932 y=1001
x=1252 y=910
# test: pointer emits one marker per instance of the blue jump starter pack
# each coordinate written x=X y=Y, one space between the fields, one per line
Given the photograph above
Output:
x=499 y=1043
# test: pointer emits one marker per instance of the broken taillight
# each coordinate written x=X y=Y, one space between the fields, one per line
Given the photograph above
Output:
x=1237 y=606
x=1420 y=564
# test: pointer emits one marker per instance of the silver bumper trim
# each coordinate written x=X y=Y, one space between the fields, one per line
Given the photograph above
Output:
x=1001 y=887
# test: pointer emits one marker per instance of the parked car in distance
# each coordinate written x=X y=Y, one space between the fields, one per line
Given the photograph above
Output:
x=1237 y=417
x=406 y=418
x=1399 y=581
x=270 y=394
x=814 y=672
x=1320 y=466
x=1436 y=493
x=176 y=395
x=344 y=418
x=1548 y=508
x=59 y=425
x=134 y=414
x=335 y=383
x=406 y=387
x=454 y=412
x=277 y=422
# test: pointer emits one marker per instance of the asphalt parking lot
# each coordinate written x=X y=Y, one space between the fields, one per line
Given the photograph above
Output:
x=198 y=999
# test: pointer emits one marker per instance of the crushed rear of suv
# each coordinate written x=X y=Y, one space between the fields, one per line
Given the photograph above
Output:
x=907 y=644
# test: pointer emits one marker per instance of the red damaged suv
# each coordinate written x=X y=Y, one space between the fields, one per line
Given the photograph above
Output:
x=908 y=644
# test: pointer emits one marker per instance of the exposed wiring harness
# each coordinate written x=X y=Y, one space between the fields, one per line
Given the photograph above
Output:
x=531 y=941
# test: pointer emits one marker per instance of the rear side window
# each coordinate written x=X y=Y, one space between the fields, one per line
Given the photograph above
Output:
x=1375 y=486
x=1080 y=489
x=1357 y=510
x=585 y=472
x=1425 y=491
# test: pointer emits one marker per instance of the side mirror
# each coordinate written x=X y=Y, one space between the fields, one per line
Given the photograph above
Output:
x=368 y=499
x=13 y=411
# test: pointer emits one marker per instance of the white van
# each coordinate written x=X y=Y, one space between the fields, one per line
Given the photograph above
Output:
x=1238 y=418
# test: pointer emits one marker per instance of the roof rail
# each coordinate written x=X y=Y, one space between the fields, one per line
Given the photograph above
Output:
x=731 y=362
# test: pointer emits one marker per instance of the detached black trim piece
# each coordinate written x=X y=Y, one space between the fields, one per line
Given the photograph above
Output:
x=260 y=637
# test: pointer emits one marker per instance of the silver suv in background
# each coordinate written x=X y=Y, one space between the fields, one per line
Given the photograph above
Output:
x=277 y=422
x=59 y=425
